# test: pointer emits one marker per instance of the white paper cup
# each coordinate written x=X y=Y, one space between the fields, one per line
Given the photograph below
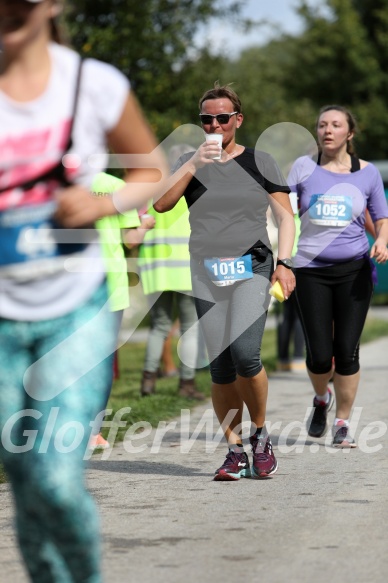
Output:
x=215 y=138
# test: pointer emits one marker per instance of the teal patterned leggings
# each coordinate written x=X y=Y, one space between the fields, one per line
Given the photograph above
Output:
x=53 y=383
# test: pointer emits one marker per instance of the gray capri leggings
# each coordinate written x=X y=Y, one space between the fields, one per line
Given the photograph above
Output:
x=232 y=319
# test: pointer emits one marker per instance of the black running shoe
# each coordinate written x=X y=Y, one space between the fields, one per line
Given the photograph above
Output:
x=318 y=425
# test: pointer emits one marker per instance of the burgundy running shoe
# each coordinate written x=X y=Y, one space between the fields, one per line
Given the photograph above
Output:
x=235 y=466
x=264 y=461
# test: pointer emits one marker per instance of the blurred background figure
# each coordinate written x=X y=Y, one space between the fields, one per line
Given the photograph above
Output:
x=289 y=329
x=112 y=230
x=164 y=265
x=167 y=363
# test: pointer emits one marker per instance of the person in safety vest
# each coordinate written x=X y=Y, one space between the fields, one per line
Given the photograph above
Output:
x=164 y=266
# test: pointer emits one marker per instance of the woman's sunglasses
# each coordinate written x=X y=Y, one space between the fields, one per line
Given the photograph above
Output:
x=222 y=118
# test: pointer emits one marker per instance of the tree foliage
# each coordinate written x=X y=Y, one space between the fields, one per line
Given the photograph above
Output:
x=150 y=41
x=259 y=77
x=340 y=57
x=343 y=60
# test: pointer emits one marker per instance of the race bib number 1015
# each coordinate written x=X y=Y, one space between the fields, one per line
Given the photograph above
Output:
x=228 y=270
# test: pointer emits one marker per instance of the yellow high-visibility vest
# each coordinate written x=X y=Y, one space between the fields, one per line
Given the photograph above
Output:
x=164 y=259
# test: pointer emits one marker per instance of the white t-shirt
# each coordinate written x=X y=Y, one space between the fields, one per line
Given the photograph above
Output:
x=33 y=136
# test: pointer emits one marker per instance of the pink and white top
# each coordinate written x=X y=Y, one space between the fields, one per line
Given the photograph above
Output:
x=37 y=275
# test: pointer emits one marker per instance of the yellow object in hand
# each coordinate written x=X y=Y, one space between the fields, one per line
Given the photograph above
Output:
x=277 y=292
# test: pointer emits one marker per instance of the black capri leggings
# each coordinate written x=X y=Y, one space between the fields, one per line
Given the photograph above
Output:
x=333 y=303
x=232 y=319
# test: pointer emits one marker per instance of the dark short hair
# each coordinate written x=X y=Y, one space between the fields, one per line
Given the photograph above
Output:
x=219 y=92
x=352 y=123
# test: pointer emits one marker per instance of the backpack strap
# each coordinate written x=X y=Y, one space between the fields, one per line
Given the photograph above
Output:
x=75 y=106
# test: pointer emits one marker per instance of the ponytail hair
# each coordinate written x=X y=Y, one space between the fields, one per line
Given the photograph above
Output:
x=58 y=32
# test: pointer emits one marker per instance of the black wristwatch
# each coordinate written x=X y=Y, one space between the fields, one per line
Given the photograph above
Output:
x=286 y=263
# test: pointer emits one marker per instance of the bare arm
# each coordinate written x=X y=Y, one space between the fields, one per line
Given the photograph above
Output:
x=284 y=218
x=369 y=226
x=176 y=186
x=180 y=180
x=379 y=248
x=145 y=176
x=135 y=237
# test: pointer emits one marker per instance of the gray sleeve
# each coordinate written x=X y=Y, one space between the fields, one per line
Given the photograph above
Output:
x=181 y=161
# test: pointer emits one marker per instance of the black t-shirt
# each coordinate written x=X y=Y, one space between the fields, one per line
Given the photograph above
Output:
x=228 y=203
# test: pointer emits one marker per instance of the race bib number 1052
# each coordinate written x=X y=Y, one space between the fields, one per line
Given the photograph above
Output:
x=330 y=211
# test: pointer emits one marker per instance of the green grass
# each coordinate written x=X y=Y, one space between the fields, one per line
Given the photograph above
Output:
x=380 y=300
x=166 y=403
x=373 y=330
